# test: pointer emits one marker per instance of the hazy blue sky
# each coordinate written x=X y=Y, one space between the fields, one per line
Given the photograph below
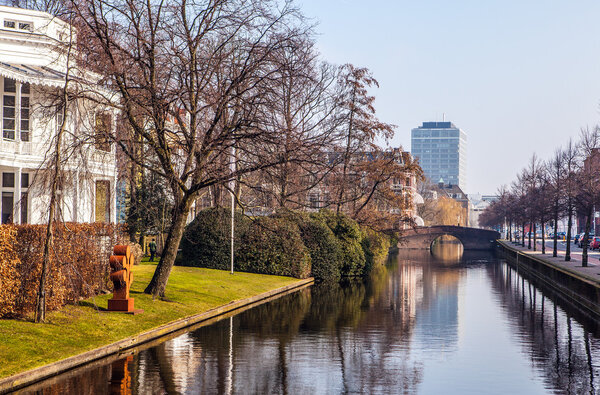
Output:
x=517 y=76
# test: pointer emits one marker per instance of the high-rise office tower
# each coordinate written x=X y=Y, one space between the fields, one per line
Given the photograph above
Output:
x=442 y=151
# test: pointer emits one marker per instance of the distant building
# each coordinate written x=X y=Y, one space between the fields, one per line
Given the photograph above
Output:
x=441 y=148
x=478 y=205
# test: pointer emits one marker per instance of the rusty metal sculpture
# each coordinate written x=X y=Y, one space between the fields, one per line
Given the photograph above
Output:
x=121 y=275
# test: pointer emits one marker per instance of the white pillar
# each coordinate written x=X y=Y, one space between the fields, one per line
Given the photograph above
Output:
x=113 y=200
x=76 y=196
x=17 y=206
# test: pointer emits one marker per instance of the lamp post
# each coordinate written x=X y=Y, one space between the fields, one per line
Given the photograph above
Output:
x=232 y=189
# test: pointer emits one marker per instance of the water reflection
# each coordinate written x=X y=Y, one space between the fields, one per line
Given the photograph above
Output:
x=563 y=350
x=447 y=249
x=418 y=325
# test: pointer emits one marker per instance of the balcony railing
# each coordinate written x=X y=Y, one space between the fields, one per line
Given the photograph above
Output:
x=16 y=147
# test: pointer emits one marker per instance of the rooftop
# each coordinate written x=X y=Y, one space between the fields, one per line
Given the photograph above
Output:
x=438 y=125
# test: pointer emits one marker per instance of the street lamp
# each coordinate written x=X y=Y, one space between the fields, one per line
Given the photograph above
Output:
x=232 y=189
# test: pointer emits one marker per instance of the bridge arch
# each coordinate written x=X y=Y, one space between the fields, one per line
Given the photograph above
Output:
x=446 y=237
x=471 y=238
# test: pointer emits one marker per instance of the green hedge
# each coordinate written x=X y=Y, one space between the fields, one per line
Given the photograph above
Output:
x=323 y=245
x=273 y=246
x=375 y=246
x=206 y=241
x=347 y=231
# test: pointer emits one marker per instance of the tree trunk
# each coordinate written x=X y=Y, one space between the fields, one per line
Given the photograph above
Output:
x=585 y=244
x=523 y=235
x=529 y=235
x=555 y=247
x=167 y=260
x=569 y=225
x=40 y=311
x=543 y=237
x=535 y=236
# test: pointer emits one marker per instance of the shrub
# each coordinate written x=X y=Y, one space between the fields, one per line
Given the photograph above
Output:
x=9 y=275
x=78 y=266
x=273 y=246
x=324 y=249
x=206 y=241
x=349 y=237
x=375 y=247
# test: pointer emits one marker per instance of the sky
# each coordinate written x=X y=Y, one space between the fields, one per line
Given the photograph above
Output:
x=517 y=76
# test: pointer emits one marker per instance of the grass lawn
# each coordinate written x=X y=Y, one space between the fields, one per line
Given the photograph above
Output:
x=76 y=329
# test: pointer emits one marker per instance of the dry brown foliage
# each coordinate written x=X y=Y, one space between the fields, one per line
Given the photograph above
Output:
x=78 y=264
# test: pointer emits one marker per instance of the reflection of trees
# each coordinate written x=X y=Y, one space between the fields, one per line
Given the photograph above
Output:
x=351 y=337
x=87 y=382
x=562 y=349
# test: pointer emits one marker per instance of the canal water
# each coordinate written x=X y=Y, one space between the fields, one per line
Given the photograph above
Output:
x=443 y=323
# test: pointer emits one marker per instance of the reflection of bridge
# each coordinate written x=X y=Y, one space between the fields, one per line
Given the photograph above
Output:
x=471 y=238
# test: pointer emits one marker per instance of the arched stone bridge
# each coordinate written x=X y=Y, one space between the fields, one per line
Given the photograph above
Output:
x=471 y=238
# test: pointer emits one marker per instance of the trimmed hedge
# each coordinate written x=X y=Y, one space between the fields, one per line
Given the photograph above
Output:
x=78 y=264
x=206 y=241
x=347 y=231
x=324 y=245
x=273 y=246
x=375 y=246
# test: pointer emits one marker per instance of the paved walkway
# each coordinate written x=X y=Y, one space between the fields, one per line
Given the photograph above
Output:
x=591 y=272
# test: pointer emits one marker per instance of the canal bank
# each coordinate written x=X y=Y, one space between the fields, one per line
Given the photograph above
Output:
x=88 y=333
x=579 y=286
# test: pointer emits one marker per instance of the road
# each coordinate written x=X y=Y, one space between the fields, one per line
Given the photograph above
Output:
x=562 y=246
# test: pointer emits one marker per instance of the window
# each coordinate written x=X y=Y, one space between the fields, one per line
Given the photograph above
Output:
x=7 y=207
x=24 y=207
x=24 y=113
x=8 y=180
x=25 y=26
x=314 y=201
x=24 y=180
x=22 y=25
x=102 y=131
x=102 y=201
x=8 y=109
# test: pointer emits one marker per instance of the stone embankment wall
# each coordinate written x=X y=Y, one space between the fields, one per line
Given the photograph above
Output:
x=574 y=288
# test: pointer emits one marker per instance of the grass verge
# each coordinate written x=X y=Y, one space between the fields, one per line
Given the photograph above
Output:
x=79 y=328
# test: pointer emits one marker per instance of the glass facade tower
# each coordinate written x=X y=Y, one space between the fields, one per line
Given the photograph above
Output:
x=442 y=151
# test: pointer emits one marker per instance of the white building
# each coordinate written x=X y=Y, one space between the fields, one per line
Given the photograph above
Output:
x=33 y=67
x=478 y=205
x=441 y=148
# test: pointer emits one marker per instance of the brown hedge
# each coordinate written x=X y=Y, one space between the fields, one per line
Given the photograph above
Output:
x=78 y=264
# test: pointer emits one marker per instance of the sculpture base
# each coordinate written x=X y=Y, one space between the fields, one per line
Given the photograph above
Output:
x=120 y=305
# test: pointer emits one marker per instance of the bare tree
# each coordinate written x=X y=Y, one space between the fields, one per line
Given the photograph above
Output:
x=570 y=187
x=193 y=80
x=589 y=187
x=359 y=124
x=556 y=180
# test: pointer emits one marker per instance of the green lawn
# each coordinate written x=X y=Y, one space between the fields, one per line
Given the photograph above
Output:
x=76 y=329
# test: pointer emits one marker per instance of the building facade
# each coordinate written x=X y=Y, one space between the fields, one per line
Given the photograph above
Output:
x=33 y=71
x=441 y=148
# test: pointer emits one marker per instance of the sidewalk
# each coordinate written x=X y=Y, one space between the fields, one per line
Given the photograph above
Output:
x=591 y=272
